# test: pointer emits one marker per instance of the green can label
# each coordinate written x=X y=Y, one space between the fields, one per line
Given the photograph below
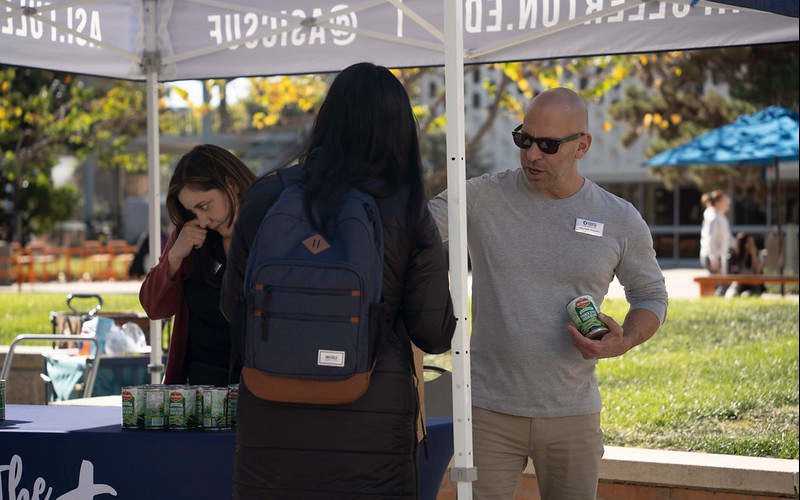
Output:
x=583 y=312
x=215 y=409
x=199 y=407
x=133 y=407
x=233 y=403
x=182 y=403
x=155 y=412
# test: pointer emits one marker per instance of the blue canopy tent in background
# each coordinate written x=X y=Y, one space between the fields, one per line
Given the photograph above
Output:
x=767 y=137
x=752 y=139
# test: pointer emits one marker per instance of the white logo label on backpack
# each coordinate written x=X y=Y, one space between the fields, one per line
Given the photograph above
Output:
x=330 y=358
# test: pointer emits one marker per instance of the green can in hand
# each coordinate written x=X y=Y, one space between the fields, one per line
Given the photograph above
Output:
x=583 y=312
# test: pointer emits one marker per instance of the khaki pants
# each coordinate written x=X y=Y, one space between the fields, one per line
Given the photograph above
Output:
x=565 y=451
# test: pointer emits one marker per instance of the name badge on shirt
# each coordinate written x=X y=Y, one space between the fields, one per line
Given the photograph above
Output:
x=589 y=227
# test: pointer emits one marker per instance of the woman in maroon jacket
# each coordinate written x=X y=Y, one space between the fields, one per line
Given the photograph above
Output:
x=202 y=201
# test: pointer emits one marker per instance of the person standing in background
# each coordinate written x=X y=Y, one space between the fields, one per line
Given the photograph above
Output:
x=203 y=200
x=142 y=262
x=716 y=239
x=746 y=260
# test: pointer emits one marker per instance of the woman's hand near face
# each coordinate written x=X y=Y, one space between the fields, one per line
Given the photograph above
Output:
x=191 y=236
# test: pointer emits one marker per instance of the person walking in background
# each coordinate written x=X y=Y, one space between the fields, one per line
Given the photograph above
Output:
x=142 y=262
x=716 y=239
x=364 y=136
x=746 y=260
x=538 y=237
x=203 y=199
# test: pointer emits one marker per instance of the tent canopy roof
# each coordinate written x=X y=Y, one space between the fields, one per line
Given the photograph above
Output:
x=760 y=138
x=199 y=39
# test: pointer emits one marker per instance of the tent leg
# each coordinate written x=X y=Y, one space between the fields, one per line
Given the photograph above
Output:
x=463 y=471
x=155 y=368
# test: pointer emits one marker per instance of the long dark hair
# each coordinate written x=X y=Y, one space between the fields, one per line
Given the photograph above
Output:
x=204 y=168
x=364 y=135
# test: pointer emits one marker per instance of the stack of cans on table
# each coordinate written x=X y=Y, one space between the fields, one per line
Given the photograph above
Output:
x=179 y=407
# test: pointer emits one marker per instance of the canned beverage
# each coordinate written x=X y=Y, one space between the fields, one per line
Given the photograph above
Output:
x=133 y=407
x=2 y=400
x=583 y=312
x=155 y=409
x=215 y=409
x=182 y=403
x=233 y=402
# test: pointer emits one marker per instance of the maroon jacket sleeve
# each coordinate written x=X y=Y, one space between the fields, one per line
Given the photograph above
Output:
x=162 y=298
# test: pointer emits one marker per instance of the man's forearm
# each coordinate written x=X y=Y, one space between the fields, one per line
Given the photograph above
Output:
x=639 y=326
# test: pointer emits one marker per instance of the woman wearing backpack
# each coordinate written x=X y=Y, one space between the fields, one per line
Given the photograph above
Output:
x=202 y=202
x=364 y=136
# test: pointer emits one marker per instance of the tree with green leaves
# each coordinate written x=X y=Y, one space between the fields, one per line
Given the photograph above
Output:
x=35 y=107
x=45 y=114
x=669 y=97
x=681 y=95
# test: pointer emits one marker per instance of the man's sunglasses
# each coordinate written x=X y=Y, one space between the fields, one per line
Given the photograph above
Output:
x=545 y=145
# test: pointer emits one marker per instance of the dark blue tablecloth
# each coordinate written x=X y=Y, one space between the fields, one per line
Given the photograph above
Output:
x=83 y=450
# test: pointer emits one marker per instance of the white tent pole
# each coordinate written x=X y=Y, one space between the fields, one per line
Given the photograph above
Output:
x=150 y=67
x=463 y=471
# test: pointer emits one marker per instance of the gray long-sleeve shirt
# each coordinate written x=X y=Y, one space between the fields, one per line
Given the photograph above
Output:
x=531 y=255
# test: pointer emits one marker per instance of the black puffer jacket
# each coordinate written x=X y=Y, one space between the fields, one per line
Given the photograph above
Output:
x=366 y=449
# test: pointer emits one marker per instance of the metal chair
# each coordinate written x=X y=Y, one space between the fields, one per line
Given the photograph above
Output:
x=90 y=378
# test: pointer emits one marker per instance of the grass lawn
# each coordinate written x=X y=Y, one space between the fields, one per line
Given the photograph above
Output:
x=30 y=312
x=720 y=376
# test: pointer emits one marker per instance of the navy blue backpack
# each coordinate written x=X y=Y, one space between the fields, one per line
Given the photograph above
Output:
x=314 y=312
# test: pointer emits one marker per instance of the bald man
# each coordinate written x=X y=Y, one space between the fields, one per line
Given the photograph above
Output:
x=538 y=237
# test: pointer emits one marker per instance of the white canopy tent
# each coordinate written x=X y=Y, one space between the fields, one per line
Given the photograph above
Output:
x=166 y=40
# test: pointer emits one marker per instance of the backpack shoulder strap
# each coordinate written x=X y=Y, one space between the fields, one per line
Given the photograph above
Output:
x=287 y=176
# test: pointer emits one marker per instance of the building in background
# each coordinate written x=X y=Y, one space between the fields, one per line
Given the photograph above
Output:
x=674 y=216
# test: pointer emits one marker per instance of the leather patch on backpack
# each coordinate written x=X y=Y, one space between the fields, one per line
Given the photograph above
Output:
x=292 y=390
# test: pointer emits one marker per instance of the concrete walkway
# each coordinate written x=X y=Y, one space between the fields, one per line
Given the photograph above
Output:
x=84 y=287
x=680 y=285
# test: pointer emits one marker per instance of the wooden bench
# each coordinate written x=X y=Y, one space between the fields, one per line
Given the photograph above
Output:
x=39 y=262
x=709 y=283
